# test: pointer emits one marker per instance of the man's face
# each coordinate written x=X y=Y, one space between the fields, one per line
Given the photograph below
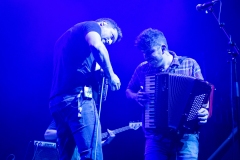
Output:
x=109 y=35
x=154 y=56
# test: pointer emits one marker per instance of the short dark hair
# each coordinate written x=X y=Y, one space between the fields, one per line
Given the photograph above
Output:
x=113 y=25
x=150 y=38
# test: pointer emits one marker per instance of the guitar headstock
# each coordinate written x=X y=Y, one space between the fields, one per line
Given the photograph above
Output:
x=135 y=125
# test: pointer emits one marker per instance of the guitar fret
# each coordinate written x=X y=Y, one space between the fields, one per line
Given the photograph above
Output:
x=121 y=129
x=137 y=125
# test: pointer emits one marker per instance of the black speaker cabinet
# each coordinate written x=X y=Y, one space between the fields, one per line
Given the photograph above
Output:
x=45 y=151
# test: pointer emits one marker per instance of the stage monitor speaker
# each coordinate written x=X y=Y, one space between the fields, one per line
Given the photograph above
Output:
x=45 y=151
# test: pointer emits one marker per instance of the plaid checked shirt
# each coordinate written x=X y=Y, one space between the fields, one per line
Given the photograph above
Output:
x=179 y=65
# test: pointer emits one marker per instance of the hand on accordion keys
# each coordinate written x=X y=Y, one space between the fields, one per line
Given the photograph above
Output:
x=203 y=114
x=141 y=97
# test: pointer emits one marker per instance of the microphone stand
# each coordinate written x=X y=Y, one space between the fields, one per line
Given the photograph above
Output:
x=234 y=95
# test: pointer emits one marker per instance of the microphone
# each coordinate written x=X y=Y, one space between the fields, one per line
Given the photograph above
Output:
x=206 y=5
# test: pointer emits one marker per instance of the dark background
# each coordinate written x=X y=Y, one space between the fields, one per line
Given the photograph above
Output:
x=29 y=29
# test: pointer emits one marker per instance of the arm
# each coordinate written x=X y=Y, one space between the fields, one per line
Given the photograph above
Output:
x=101 y=55
x=135 y=90
x=203 y=112
x=131 y=95
x=140 y=97
x=50 y=134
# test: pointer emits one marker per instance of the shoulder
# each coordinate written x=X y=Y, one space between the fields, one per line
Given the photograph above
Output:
x=181 y=59
x=189 y=61
x=142 y=65
x=144 y=68
x=86 y=23
x=86 y=27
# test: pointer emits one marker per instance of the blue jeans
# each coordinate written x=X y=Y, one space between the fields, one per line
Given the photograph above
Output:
x=75 y=155
x=161 y=148
x=84 y=131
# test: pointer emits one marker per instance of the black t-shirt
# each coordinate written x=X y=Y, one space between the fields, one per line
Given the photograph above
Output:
x=73 y=60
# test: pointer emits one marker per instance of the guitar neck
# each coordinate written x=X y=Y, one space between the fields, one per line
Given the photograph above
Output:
x=119 y=130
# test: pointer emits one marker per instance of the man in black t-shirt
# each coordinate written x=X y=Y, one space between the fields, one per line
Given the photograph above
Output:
x=76 y=54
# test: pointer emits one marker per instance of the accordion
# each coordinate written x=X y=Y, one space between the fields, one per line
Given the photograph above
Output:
x=174 y=100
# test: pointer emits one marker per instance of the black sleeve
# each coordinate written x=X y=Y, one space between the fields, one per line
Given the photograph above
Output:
x=83 y=28
x=92 y=26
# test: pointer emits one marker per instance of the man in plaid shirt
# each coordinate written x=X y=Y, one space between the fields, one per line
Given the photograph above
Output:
x=153 y=45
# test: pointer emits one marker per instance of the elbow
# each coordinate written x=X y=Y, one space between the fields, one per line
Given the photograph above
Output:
x=97 y=47
x=126 y=93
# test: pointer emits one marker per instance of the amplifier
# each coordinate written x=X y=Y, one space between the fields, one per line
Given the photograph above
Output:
x=45 y=144
x=45 y=151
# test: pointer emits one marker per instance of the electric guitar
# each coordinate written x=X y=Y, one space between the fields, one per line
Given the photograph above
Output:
x=134 y=126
